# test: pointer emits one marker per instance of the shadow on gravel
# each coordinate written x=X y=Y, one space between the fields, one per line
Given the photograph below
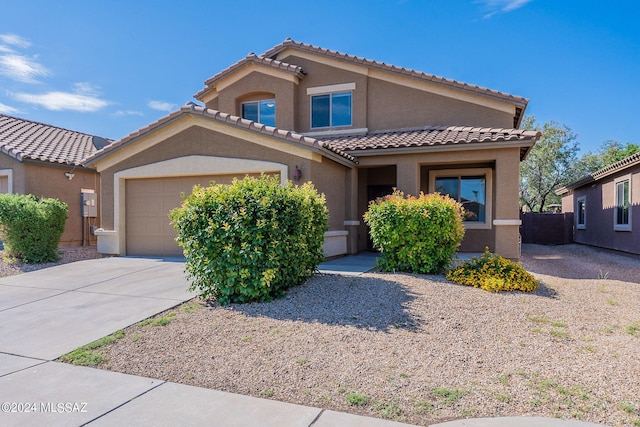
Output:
x=545 y=291
x=361 y=302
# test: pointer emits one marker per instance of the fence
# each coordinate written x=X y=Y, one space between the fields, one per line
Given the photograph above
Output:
x=547 y=228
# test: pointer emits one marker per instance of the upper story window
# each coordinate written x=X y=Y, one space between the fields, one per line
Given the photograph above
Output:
x=622 y=206
x=331 y=110
x=331 y=106
x=581 y=212
x=471 y=188
x=260 y=111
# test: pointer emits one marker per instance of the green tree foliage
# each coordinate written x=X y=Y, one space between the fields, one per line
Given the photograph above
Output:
x=251 y=240
x=419 y=235
x=548 y=165
x=31 y=226
x=610 y=152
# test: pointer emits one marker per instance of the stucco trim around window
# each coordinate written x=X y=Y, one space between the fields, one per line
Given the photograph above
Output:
x=9 y=174
x=472 y=172
x=581 y=212
x=622 y=196
x=342 y=87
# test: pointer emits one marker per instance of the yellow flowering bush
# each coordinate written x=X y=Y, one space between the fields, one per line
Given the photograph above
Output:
x=493 y=273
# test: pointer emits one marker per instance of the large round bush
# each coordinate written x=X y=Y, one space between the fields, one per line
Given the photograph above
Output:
x=251 y=240
x=415 y=234
x=32 y=226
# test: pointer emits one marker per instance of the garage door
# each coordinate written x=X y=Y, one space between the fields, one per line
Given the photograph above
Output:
x=148 y=203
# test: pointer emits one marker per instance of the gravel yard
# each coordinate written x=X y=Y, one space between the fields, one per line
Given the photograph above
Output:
x=417 y=348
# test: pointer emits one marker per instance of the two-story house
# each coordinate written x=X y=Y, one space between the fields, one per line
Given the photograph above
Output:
x=356 y=128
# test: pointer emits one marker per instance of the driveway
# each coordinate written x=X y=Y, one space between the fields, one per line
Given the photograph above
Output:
x=47 y=313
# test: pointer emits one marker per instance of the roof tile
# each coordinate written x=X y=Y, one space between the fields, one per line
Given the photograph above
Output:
x=26 y=139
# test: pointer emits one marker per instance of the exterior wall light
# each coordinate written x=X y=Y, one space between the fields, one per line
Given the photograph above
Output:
x=297 y=174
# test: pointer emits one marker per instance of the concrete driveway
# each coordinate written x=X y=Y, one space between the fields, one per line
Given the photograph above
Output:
x=47 y=313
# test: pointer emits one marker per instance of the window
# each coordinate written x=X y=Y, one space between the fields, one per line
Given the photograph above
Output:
x=622 y=205
x=331 y=110
x=471 y=188
x=260 y=111
x=581 y=212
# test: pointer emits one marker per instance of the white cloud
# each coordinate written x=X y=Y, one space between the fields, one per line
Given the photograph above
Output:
x=14 y=40
x=501 y=6
x=21 y=68
x=122 y=113
x=62 y=101
x=161 y=105
x=6 y=109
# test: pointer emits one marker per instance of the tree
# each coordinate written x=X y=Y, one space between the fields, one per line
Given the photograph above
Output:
x=548 y=165
x=610 y=152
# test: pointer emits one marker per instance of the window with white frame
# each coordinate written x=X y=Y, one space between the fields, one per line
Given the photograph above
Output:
x=331 y=106
x=260 y=111
x=622 y=204
x=471 y=188
x=581 y=212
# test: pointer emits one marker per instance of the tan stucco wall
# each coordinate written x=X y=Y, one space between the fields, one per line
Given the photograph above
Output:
x=257 y=86
x=203 y=142
x=378 y=104
x=413 y=170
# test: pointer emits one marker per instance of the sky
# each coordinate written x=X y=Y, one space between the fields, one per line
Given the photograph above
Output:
x=110 y=67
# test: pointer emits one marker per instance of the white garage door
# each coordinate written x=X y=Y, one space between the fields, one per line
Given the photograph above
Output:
x=148 y=203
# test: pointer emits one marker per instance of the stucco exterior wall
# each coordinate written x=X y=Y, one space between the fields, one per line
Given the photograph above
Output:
x=600 y=202
x=46 y=181
x=412 y=177
x=258 y=86
x=203 y=142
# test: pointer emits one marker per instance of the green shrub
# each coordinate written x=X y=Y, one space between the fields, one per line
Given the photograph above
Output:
x=419 y=235
x=251 y=240
x=493 y=273
x=31 y=226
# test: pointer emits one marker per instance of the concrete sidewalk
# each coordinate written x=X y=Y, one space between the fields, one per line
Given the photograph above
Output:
x=47 y=313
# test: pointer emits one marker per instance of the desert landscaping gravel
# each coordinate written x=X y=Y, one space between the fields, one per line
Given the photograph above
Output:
x=418 y=348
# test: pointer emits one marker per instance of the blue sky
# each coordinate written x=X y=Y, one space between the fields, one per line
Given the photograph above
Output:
x=111 y=67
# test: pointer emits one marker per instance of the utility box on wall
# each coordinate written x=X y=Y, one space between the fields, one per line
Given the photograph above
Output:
x=89 y=204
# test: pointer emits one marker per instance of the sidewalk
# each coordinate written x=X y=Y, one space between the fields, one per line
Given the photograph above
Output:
x=47 y=313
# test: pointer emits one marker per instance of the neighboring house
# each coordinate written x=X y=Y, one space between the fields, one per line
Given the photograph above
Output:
x=46 y=161
x=605 y=205
x=356 y=128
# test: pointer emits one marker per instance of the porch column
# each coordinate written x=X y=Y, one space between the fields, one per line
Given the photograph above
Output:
x=506 y=219
x=352 y=220
x=408 y=177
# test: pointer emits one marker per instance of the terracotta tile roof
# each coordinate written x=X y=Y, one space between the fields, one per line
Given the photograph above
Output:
x=191 y=108
x=251 y=58
x=25 y=139
x=620 y=166
x=430 y=136
x=288 y=43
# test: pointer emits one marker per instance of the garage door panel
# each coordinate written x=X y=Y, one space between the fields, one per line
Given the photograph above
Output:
x=148 y=203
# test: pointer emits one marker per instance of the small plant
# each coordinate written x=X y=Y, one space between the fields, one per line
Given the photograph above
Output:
x=603 y=275
x=357 y=399
x=448 y=396
x=503 y=397
x=634 y=329
x=158 y=321
x=415 y=234
x=612 y=302
x=87 y=356
x=267 y=392
x=302 y=361
x=389 y=410
x=559 y=334
x=423 y=406
x=493 y=273
x=559 y=324
x=503 y=379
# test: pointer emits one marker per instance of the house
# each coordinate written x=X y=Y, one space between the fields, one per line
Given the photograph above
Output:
x=605 y=205
x=355 y=127
x=46 y=161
